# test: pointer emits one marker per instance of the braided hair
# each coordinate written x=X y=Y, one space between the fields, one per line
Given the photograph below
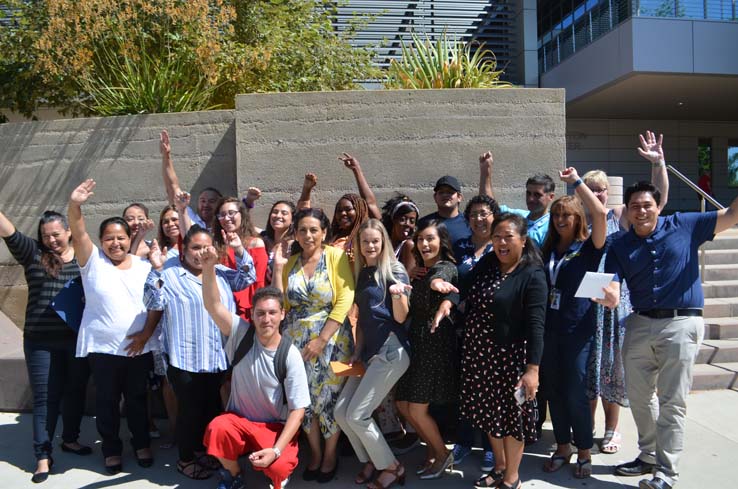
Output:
x=362 y=215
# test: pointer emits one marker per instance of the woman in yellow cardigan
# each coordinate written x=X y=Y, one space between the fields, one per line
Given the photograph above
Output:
x=319 y=290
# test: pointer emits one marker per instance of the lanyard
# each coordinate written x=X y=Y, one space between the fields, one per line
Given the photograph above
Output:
x=554 y=268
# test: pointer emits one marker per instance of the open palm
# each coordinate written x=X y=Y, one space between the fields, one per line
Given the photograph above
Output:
x=83 y=192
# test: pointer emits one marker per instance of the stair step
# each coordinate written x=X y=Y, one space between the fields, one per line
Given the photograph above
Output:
x=721 y=328
x=722 y=242
x=706 y=377
x=720 y=307
x=720 y=288
x=719 y=257
x=727 y=271
x=718 y=351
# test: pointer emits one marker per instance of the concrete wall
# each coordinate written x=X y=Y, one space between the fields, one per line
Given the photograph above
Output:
x=404 y=139
x=610 y=145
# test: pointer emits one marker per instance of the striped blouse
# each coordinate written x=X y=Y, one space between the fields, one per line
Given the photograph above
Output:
x=189 y=337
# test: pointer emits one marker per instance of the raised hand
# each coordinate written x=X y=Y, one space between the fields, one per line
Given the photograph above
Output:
x=486 y=160
x=157 y=256
x=253 y=194
x=652 y=148
x=232 y=239
x=145 y=227
x=311 y=180
x=280 y=255
x=443 y=287
x=569 y=175
x=182 y=200
x=165 y=148
x=83 y=192
x=397 y=289
x=349 y=161
x=208 y=256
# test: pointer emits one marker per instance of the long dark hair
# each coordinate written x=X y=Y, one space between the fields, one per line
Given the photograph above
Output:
x=269 y=230
x=310 y=212
x=531 y=253
x=362 y=214
x=246 y=230
x=164 y=240
x=446 y=252
x=51 y=261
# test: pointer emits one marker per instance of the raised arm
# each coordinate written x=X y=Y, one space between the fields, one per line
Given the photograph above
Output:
x=80 y=239
x=171 y=182
x=364 y=190
x=182 y=203
x=278 y=266
x=211 y=294
x=311 y=180
x=597 y=211
x=6 y=227
x=727 y=218
x=486 y=163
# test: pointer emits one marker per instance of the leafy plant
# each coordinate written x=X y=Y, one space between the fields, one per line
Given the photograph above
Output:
x=444 y=64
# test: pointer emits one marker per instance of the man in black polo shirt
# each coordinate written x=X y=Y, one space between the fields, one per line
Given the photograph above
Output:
x=659 y=259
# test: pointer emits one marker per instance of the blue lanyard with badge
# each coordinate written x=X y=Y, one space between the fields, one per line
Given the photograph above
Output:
x=554 y=296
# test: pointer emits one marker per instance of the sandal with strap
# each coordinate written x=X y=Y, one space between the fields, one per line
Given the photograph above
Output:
x=556 y=462
x=423 y=468
x=493 y=479
x=515 y=485
x=399 y=477
x=583 y=468
x=611 y=442
x=193 y=470
x=365 y=475
x=208 y=462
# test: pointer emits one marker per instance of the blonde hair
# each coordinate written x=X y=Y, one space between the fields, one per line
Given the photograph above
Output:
x=596 y=176
x=388 y=268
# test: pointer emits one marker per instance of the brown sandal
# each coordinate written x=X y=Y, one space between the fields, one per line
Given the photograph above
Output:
x=365 y=476
x=399 y=477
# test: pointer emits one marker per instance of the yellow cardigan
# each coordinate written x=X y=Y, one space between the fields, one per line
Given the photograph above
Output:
x=339 y=275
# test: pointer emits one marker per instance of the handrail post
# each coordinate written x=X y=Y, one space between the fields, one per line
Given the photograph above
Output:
x=702 y=250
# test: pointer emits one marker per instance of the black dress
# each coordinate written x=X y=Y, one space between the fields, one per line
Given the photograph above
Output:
x=490 y=368
x=432 y=375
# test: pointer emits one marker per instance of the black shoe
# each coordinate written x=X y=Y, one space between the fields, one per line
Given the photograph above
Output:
x=634 y=468
x=144 y=462
x=655 y=483
x=82 y=450
x=324 y=477
x=114 y=469
x=40 y=477
x=310 y=474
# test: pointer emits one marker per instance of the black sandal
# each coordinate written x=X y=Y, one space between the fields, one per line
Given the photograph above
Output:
x=197 y=472
x=516 y=485
x=493 y=479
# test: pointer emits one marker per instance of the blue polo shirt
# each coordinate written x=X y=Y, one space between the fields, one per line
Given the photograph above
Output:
x=663 y=269
x=458 y=228
x=538 y=229
x=575 y=314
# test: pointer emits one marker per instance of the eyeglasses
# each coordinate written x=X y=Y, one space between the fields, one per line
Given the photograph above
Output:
x=596 y=190
x=479 y=215
x=223 y=215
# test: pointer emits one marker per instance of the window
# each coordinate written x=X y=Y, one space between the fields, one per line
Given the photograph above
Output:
x=733 y=163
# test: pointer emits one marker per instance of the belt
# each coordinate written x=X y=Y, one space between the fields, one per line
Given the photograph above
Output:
x=669 y=313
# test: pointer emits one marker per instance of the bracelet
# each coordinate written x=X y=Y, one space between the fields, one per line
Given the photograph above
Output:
x=396 y=297
x=578 y=182
x=247 y=204
x=277 y=452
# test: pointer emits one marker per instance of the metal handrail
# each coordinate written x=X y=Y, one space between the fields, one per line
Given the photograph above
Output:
x=704 y=196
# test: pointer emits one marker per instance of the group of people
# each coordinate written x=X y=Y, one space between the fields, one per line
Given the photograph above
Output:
x=247 y=331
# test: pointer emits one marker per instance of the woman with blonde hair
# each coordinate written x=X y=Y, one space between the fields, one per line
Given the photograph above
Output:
x=382 y=291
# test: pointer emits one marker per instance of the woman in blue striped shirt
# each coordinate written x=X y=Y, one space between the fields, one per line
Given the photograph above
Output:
x=192 y=340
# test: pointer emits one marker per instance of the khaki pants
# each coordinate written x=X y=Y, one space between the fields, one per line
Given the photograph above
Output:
x=658 y=355
x=362 y=395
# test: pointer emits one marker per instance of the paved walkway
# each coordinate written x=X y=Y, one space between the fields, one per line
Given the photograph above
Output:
x=709 y=461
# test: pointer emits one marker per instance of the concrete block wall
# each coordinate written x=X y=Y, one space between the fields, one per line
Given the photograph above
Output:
x=405 y=140
x=610 y=145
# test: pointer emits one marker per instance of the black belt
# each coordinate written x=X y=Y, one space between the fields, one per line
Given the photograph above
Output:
x=669 y=313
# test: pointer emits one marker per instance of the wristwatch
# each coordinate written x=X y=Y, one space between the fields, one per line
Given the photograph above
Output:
x=277 y=452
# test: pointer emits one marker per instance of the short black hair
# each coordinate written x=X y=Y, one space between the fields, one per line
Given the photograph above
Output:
x=269 y=292
x=211 y=189
x=642 y=186
x=494 y=207
x=111 y=221
x=194 y=230
x=140 y=206
x=542 y=179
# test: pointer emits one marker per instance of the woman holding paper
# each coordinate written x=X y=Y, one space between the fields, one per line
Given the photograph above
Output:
x=56 y=375
x=382 y=291
x=319 y=291
x=569 y=252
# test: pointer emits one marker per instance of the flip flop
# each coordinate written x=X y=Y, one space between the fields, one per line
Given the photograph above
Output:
x=556 y=462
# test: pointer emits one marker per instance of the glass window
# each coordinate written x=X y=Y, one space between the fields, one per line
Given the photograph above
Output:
x=733 y=163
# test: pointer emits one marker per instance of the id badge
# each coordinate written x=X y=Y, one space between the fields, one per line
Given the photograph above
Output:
x=554 y=299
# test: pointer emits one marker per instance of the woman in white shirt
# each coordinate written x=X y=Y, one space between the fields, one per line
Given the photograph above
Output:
x=115 y=331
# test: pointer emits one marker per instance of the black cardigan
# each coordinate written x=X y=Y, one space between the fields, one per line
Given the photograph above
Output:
x=519 y=307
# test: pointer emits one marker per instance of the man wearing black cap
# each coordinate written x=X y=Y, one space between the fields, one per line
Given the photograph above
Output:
x=447 y=194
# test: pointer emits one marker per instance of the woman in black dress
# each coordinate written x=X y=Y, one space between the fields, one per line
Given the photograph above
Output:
x=432 y=375
x=503 y=344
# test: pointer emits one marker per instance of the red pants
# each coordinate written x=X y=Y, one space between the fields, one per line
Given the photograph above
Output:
x=229 y=436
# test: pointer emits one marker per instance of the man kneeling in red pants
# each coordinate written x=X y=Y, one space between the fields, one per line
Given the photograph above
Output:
x=264 y=410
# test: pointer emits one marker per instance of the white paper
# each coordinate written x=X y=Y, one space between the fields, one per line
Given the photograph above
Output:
x=592 y=285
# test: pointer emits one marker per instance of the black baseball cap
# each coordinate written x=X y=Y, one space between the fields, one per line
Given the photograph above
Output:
x=449 y=181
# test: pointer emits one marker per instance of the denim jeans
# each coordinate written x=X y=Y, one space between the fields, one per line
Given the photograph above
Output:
x=58 y=380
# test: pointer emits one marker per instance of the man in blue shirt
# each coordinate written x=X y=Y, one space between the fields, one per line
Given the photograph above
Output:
x=447 y=195
x=539 y=193
x=659 y=259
